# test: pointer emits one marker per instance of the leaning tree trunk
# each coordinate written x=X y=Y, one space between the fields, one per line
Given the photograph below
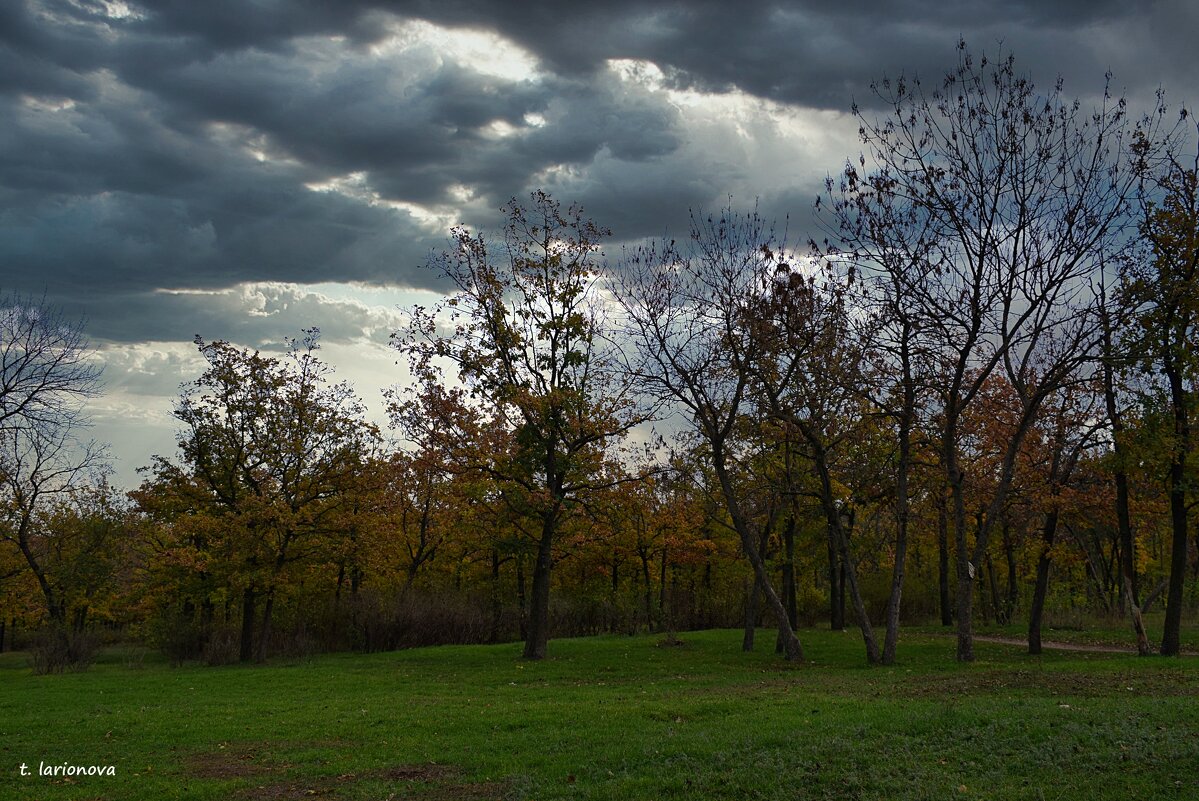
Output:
x=851 y=579
x=789 y=599
x=792 y=648
x=891 y=639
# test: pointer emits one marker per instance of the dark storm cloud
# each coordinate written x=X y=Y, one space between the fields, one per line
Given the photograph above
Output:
x=203 y=145
x=821 y=54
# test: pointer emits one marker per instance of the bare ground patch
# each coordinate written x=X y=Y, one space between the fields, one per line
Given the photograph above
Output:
x=432 y=781
x=289 y=791
x=470 y=791
x=435 y=782
x=231 y=762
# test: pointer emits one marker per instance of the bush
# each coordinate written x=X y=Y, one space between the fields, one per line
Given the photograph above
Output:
x=56 y=650
x=223 y=646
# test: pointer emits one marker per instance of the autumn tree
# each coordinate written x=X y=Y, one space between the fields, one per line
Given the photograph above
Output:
x=525 y=330
x=44 y=470
x=1044 y=485
x=267 y=452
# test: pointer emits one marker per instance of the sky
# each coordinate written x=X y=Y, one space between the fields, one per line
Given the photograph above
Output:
x=245 y=169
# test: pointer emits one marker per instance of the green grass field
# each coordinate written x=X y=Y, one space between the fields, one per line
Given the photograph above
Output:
x=613 y=718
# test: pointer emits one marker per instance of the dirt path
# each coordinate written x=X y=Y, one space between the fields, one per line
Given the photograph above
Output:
x=1058 y=646
x=1090 y=648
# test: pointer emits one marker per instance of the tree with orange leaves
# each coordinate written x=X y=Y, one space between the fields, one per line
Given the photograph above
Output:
x=526 y=334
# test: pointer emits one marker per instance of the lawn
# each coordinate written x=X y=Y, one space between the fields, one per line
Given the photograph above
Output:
x=613 y=718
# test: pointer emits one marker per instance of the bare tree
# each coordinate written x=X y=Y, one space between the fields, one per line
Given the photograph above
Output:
x=1026 y=198
x=809 y=360
x=46 y=374
x=687 y=308
x=889 y=243
x=46 y=370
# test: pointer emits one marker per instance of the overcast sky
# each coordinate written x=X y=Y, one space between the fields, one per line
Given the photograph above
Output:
x=242 y=169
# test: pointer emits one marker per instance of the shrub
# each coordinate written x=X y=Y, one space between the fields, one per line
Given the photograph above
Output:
x=56 y=650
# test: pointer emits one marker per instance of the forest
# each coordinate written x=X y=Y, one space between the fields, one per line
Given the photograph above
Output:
x=963 y=397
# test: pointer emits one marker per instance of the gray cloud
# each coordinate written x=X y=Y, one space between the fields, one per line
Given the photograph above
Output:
x=207 y=144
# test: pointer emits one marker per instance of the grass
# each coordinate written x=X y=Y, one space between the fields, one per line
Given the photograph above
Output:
x=614 y=718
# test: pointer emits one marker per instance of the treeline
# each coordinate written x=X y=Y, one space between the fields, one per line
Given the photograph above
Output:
x=969 y=396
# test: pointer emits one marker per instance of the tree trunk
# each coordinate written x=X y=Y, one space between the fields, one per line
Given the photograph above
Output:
x=663 y=618
x=1128 y=559
x=649 y=588
x=985 y=605
x=1048 y=535
x=341 y=578
x=539 y=612
x=264 y=635
x=249 y=601
x=965 y=569
x=851 y=579
x=891 y=638
x=792 y=648
x=521 y=602
x=1010 y=597
x=752 y=589
x=789 y=592
x=497 y=608
x=1171 y=636
x=54 y=604
x=707 y=585
x=943 y=562
x=1138 y=621
x=836 y=590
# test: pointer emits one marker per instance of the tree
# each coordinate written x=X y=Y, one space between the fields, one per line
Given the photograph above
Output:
x=808 y=364
x=46 y=375
x=526 y=336
x=268 y=452
x=1022 y=199
x=46 y=372
x=1165 y=289
x=687 y=310
x=1113 y=311
x=42 y=467
x=890 y=243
